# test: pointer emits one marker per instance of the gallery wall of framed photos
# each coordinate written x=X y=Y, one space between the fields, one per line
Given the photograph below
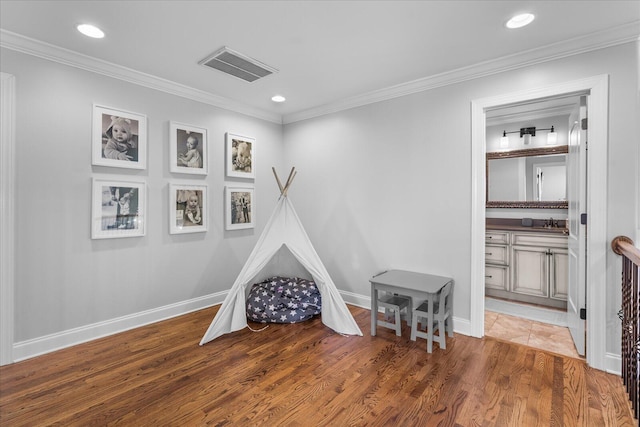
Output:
x=112 y=270
x=119 y=141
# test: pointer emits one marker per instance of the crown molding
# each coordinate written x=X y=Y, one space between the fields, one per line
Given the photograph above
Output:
x=598 y=40
x=29 y=46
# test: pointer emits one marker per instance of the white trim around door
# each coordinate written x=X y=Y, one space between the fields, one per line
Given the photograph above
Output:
x=598 y=89
x=7 y=184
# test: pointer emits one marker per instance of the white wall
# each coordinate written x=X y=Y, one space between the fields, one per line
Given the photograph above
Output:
x=65 y=280
x=388 y=185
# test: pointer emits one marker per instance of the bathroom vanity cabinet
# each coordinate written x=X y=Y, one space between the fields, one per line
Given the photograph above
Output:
x=528 y=266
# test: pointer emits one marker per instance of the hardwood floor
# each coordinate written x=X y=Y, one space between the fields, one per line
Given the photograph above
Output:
x=305 y=375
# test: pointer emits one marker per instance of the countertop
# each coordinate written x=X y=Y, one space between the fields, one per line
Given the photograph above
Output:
x=550 y=230
x=538 y=225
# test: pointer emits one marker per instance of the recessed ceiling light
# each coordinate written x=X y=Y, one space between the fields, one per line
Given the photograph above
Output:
x=278 y=98
x=521 y=20
x=90 y=31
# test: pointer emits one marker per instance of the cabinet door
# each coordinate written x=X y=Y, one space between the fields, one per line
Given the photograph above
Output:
x=559 y=274
x=530 y=271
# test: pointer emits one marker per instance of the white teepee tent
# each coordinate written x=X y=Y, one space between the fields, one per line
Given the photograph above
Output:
x=283 y=229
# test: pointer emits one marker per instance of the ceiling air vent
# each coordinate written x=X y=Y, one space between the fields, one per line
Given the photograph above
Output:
x=238 y=65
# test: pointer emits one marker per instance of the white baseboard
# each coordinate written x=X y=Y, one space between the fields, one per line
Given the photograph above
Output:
x=613 y=363
x=362 y=301
x=46 y=344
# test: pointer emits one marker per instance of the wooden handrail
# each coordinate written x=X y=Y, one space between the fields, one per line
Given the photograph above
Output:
x=630 y=316
x=622 y=245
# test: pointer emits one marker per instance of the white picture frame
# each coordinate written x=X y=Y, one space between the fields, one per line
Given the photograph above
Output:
x=118 y=208
x=188 y=148
x=240 y=156
x=128 y=149
x=185 y=217
x=239 y=207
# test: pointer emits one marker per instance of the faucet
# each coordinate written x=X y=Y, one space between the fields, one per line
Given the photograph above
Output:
x=551 y=223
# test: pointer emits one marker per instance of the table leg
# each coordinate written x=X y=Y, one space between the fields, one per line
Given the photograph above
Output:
x=430 y=325
x=374 y=309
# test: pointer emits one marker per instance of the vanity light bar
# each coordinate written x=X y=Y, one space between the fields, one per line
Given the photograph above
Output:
x=529 y=132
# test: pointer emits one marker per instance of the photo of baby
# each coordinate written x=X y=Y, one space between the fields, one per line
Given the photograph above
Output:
x=240 y=156
x=188 y=149
x=189 y=202
x=119 y=138
x=188 y=208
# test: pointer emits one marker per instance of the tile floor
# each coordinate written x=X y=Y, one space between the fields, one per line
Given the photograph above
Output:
x=556 y=339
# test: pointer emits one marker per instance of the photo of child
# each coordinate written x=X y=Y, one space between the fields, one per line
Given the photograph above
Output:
x=240 y=158
x=120 y=138
x=241 y=155
x=189 y=206
x=119 y=208
x=189 y=149
x=240 y=207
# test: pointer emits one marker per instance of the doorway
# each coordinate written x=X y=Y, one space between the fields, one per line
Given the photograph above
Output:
x=527 y=288
x=597 y=89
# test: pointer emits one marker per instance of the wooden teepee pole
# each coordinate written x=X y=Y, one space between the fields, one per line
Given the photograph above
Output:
x=277 y=180
x=285 y=188
x=292 y=175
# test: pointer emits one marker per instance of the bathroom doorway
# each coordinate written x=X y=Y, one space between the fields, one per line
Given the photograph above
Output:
x=520 y=188
x=597 y=89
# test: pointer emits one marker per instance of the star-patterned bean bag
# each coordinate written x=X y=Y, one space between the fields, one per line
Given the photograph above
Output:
x=283 y=300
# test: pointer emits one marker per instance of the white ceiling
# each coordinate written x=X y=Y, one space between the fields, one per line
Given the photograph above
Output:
x=326 y=51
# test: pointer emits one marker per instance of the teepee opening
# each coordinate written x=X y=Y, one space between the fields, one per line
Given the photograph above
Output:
x=282 y=242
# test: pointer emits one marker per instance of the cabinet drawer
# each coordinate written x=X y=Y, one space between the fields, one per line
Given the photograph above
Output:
x=538 y=239
x=496 y=254
x=496 y=277
x=497 y=237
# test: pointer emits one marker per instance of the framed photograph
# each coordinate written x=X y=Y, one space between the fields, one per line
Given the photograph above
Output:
x=118 y=209
x=241 y=156
x=119 y=138
x=188 y=208
x=240 y=209
x=188 y=149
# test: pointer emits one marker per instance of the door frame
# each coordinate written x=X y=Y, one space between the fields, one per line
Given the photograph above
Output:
x=7 y=240
x=597 y=88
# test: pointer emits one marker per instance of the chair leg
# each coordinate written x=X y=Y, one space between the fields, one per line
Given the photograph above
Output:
x=398 y=323
x=414 y=325
x=442 y=334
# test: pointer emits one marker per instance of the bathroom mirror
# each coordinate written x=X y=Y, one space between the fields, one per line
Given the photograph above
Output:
x=529 y=178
